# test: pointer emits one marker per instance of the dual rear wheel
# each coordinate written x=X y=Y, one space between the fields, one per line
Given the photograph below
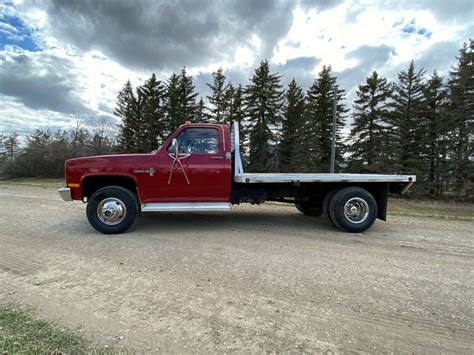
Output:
x=352 y=209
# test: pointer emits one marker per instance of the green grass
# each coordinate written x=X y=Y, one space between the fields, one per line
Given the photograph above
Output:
x=431 y=209
x=38 y=182
x=21 y=333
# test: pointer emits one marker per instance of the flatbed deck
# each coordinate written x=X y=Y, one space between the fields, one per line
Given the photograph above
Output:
x=257 y=178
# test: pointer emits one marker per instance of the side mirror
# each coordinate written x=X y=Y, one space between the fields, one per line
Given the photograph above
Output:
x=175 y=146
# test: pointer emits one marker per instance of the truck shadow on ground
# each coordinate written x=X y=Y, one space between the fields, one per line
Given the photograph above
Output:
x=268 y=221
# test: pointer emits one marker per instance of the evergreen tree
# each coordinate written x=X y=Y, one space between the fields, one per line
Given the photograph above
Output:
x=436 y=130
x=263 y=107
x=234 y=108
x=2 y=147
x=217 y=98
x=369 y=130
x=126 y=110
x=201 y=114
x=291 y=144
x=407 y=119
x=188 y=96
x=154 y=126
x=173 y=103
x=461 y=111
x=318 y=122
x=180 y=99
x=11 y=146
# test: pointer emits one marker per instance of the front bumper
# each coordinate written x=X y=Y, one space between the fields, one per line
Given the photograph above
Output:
x=65 y=193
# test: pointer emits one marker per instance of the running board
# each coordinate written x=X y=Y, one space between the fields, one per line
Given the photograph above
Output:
x=186 y=207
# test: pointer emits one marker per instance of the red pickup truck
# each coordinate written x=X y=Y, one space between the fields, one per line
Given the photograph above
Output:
x=199 y=168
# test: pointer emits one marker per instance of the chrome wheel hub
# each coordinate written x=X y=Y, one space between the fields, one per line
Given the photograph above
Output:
x=111 y=211
x=356 y=210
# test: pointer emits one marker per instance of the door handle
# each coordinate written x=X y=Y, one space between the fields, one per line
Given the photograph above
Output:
x=217 y=157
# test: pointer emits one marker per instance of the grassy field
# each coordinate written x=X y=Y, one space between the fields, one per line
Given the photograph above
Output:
x=53 y=183
x=20 y=332
x=23 y=333
x=431 y=209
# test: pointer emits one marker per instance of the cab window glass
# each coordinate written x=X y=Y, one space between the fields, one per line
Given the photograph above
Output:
x=197 y=140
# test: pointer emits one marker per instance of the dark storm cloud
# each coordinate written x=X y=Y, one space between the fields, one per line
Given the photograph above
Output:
x=169 y=34
x=39 y=81
x=370 y=58
x=438 y=56
x=300 y=69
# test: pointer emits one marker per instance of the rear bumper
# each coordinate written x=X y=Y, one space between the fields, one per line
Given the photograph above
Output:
x=65 y=193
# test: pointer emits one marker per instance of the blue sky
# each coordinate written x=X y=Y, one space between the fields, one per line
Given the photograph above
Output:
x=14 y=32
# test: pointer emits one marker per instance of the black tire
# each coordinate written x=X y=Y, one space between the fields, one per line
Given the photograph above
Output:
x=355 y=199
x=112 y=210
x=310 y=208
x=326 y=201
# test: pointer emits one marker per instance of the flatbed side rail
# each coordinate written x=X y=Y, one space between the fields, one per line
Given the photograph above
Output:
x=321 y=177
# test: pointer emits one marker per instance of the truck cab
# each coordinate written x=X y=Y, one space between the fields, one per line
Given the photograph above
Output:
x=199 y=168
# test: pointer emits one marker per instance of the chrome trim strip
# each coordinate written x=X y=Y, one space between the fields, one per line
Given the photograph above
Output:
x=185 y=206
x=323 y=177
x=65 y=193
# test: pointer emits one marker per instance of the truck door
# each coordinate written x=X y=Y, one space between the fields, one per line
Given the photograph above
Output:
x=200 y=172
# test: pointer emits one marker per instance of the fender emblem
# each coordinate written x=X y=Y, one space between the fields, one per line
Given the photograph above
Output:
x=150 y=171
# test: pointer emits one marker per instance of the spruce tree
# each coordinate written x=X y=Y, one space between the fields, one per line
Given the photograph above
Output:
x=263 y=98
x=154 y=126
x=436 y=137
x=407 y=120
x=369 y=129
x=228 y=100
x=126 y=110
x=291 y=144
x=11 y=146
x=461 y=111
x=236 y=112
x=318 y=122
x=217 y=98
x=201 y=114
x=233 y=107
x=180 y=100
x=173 y=103
x=188 y=96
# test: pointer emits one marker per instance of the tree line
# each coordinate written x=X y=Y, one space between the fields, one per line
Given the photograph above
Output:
x=419 y=124
x=44 y=152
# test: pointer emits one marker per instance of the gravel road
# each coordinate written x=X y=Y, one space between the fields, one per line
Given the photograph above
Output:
x=257 y=279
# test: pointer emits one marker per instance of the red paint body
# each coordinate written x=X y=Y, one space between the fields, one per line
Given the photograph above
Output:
x=209 y=175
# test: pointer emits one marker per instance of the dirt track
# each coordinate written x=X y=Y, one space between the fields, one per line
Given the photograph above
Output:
x=259 y=278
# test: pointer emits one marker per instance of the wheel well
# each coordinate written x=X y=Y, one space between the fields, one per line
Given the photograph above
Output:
x=91 y=184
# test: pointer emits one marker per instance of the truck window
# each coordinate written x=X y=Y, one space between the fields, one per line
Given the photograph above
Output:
x=197 y=141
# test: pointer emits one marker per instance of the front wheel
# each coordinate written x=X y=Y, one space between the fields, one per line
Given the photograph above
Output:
x=112 y=210
x=353 y=209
